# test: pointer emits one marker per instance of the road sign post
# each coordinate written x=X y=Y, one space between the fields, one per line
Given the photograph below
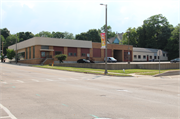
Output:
x=159 y=53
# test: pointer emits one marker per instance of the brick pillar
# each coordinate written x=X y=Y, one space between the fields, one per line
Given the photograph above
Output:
x=122 y=55
x=37 y=51
x=91 y=52
x=78 y=53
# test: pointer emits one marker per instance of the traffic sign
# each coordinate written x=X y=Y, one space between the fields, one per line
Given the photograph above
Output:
x=159 y=52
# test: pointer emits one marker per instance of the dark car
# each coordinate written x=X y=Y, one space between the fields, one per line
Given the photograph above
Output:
x=83 y=61
x=175 y=60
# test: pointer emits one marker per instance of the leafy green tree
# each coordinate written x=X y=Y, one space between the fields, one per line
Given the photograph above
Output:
x=172 y=46
x=109 y=31
x=132 y=36
x=91 y=35
x=2 y=57
x=61 y=57
x=57 y=35
x=68 y=35
x=24 y=36
x=155 y=32
x=5 y=32
x=10 y=40
x=45 y=34
x=2 y=41
x=10 y=53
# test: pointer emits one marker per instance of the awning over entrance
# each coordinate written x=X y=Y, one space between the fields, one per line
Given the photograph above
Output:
x=46 y=49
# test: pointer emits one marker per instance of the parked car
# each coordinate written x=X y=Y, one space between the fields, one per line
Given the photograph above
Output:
x=110 y=59
x=175 y=60
x=83 y=61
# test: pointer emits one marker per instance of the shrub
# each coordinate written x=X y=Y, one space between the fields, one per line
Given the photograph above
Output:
x=61 y=57
x=10 y=54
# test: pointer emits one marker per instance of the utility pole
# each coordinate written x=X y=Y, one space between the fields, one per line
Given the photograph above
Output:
x=16 y=49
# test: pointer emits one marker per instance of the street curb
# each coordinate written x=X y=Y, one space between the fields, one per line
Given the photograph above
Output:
x=163 y=74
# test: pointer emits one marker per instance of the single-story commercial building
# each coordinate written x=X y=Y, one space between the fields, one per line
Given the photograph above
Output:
x=148 y=54
x=39 y=50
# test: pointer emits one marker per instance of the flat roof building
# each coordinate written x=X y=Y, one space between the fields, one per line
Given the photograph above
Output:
x=39 y=50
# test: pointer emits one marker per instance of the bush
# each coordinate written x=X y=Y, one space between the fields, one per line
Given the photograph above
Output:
x=10 y=54
x=61 y=57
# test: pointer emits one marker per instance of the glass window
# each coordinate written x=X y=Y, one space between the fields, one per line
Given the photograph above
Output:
x=164 y=54
x=154 y=57
x=44 y=47
x=139 y=56
x=74 y=54
x=150 y=57
x=58 y=52
x=26 y=53
x=33 y=51
x=83 y=54
x=135 y=56
x=144 y=56
x=42 y=54
x=70 y=54
x=30 y=53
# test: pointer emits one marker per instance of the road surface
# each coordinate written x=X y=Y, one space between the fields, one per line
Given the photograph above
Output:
x=36 y=93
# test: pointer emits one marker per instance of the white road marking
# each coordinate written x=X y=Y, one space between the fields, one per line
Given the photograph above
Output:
x=5 y=117
x=8 y=112
x=20 y=81
x=123 y=90
x=4 y=82
x=62 y=79
x=49 y=79
x=35 y=80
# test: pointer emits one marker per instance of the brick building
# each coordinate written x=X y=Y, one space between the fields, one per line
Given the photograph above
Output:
x=42 y=49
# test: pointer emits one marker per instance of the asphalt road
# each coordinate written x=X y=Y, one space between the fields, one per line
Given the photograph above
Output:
x=36 y=93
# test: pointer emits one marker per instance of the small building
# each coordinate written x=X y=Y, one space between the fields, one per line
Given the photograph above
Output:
x=148 y=54
x=38 y=50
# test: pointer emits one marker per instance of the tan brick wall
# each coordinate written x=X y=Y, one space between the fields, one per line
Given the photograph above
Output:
x=37 y=51
x=48 y=61
x=31 y=61
x=113 y=47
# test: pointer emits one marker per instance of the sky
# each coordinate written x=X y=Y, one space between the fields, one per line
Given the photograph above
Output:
x=79 y=16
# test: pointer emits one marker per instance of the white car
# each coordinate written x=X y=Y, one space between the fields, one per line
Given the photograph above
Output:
x=110 y=59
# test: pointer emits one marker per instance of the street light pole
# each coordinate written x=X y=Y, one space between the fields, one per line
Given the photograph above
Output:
x=16 y=48
x=128 y=49
x=2 y=48
x=106 y=40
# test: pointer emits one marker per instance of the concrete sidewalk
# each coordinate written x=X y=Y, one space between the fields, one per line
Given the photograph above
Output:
x=168 y=73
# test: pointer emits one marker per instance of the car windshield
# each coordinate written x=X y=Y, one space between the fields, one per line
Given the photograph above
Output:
x=112 y=58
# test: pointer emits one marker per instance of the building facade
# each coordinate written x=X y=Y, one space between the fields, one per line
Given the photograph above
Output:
x=39 y=50
x=148 y=54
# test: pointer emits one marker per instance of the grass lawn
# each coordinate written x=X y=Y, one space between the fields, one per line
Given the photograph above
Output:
x=127 y=72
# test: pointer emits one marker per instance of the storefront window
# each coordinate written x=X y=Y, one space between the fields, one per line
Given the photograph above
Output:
x=42 y=54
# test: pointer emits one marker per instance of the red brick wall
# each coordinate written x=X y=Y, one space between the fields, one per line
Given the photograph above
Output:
x=56 y=48
x=96 y=52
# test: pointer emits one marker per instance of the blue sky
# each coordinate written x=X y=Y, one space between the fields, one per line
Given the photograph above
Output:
x=81 y=15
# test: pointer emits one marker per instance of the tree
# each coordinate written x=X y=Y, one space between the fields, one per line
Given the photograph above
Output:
x=10 y=53
x=10 y=40
x=109 y=31
x=5 y=32
x=155 y=32
x=2 y=57
x=2 y=42
x=91 y=35
x=57 y=35
x=68 y=35
x=172 y=46
x=24 y=36
x=45 y=34
x=61 y=57
x=133 y=37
